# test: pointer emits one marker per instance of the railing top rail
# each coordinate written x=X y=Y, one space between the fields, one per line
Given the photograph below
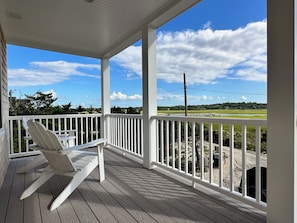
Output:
x=19 y=117
x=214 y=120
x=138 y=116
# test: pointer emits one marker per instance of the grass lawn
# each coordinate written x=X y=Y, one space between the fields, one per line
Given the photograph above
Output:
x=224 y=113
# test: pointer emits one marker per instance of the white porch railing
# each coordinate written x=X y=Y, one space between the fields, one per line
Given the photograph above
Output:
x=224 y=149
x=126 y=133
x=85 y=127
x=215 y=152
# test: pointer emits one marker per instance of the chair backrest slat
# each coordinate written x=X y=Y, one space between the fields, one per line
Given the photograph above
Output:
x=52 y=141
x=24 y=122
x=61 y=163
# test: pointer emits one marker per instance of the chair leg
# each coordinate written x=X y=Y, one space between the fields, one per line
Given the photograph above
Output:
x=73 y=184
x=39 y=160
x=45 y=176
x=101 y=163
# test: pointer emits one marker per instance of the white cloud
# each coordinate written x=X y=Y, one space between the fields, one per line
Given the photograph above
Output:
x=252 y=69
x=206 y=55
x=44 y=73
x=130 y=59
x=191 y=99
x=243 y=98
x=205 y=97
x=52 y=92
x=207 y=25
x=169 y=96
x=221 y=97
x=119 y=96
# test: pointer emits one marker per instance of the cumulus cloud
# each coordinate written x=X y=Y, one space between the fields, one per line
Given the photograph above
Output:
x=130 y=59
x=49 y=72
x=169 y=96
x=119 y=96
x=243 y=98
x=252 y=69
x=180 y=97
x=206 y=55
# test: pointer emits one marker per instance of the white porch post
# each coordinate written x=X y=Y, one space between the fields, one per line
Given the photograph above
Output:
x=149 y=94
x=105 y=97
x=282 y=126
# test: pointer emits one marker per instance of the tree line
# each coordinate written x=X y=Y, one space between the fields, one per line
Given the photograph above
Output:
x=227 y=105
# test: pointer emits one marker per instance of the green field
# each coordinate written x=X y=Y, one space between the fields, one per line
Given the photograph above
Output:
x=223 y=113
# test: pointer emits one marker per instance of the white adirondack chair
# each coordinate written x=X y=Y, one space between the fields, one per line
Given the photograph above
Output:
x=72 y=162
x=66 y=137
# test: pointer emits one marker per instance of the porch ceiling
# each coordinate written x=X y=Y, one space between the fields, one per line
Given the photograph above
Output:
x=99 y=29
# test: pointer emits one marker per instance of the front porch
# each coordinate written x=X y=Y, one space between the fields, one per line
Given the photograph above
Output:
x=281 y=91
x=130 y=193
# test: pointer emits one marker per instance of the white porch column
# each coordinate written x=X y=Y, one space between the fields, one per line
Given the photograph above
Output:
x=282 y=125
x=105 y=97
x=149 y=94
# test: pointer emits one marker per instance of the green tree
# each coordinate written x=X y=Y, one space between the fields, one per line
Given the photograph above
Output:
x=19 y=106
x=39 y=104
x=116 y=110
x=41 y=101
x=80 y=109
x=131 y=110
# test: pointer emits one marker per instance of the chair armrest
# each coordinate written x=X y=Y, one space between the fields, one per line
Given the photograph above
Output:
x=33 y=147
x=86 y=145
x=65 y=132
x=27 y=137
x=66 y=137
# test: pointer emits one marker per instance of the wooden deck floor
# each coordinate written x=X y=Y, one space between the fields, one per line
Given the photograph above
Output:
x=129 y=194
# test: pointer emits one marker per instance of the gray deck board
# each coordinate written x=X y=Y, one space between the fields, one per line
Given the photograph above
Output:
x=6 y=191
x=15 y=207
x=130 y=193
x=96 y=205
x=148 y=196
x=32 y=202
x=45 y=197
x=66 y=212
x=110 y=202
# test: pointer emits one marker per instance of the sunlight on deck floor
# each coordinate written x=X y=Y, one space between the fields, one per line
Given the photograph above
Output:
x=130 y=193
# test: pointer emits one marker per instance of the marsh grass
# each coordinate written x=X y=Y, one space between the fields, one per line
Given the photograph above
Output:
x=223 y=113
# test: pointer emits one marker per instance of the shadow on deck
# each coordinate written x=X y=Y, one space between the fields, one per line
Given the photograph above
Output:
x=130 y=193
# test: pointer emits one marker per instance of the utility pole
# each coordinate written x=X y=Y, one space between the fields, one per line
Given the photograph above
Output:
x=185 y=95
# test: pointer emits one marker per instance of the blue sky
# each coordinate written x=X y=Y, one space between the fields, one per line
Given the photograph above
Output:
x=220 y=45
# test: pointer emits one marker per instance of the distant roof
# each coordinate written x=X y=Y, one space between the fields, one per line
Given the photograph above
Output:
x=93 y=28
